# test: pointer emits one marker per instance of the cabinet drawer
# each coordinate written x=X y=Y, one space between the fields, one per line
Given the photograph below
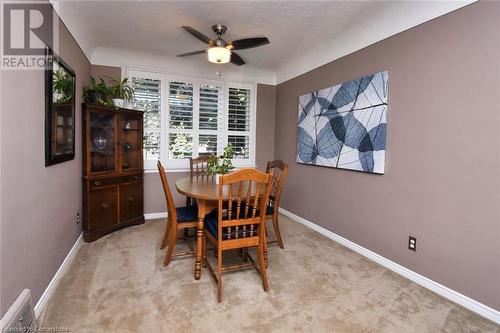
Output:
x=129 y=179
x=97 y=183
x=102 y=208
x=131 y=201
x=103 y=182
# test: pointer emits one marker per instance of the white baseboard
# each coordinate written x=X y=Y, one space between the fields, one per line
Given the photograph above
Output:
x=152 y=216
x=40 y=305
x=446 y=292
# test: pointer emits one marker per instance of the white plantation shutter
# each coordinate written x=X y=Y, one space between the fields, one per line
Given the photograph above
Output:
x=181 y=120
x=241 y=145
x=208 y=144
x=180 y=145
x=187 y=117
x=211 y=107
x=147 y=98
x=239 y=102
x=180 y=101
x=239 y=110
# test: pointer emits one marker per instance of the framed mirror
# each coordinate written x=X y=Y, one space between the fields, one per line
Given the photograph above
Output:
x=60 y=87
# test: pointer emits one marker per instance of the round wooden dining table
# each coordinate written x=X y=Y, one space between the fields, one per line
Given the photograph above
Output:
x=205 y=191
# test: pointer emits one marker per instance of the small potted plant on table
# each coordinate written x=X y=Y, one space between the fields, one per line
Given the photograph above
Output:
x=220 y=165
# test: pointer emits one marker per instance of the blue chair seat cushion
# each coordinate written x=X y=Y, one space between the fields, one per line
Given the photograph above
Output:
x=212 y=223
x=187 y=213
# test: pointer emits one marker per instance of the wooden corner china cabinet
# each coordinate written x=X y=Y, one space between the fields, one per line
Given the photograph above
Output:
x=112 y=170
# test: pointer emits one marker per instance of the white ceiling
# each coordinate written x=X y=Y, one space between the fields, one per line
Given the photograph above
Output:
x=303 y=34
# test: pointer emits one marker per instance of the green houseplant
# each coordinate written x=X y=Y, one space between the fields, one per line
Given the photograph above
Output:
x=220 y=165
x=97 y=92
x=121 y=91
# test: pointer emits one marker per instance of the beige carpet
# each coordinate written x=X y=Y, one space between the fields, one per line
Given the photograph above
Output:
x=118 y=284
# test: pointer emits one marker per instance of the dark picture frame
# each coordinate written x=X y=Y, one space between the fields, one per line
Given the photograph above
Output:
x=60 y=105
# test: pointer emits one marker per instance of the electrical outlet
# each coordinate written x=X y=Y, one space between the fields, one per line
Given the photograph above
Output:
x=412 y=244
x=77 y=218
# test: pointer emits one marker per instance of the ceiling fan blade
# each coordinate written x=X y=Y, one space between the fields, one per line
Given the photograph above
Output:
x=191 y=53
x=248 y=43
x=236 y=59
x=198 y=34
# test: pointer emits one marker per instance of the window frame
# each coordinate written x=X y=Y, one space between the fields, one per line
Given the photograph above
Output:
x=253 y=117
x=151 y=164
x=223 y=131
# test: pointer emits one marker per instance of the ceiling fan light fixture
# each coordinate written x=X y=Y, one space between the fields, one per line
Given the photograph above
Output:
x=219 y=55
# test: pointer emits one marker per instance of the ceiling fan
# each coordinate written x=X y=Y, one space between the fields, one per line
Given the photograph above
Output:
x=221 y=52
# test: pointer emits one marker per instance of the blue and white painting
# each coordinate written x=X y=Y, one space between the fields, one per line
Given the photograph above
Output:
x=344 y=126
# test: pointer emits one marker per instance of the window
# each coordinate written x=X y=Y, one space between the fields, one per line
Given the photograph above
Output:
x=210 y=120
x=239 y=122
x=187 y=117
x=180 y=124
x=147 y=98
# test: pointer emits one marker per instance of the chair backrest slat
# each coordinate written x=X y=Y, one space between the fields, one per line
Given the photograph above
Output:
x=248 y=197
x=230 y=203
x=198 y=167
x=242 y=223
x=238 y=201
x=256 y=200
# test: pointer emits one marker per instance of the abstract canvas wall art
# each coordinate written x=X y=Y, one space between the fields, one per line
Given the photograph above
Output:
x=344 y=126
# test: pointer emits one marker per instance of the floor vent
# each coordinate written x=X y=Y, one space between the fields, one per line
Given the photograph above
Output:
x=21 y=315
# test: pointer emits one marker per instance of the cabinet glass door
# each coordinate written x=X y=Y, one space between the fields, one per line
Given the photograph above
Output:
x=131 y=141
x=102 y=142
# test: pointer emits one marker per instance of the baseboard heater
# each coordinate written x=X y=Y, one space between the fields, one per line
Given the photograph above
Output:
x=21 y=315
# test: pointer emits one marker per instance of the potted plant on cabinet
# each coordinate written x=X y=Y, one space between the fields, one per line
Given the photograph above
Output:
x=220 y=165
x=97 y=92
x=121 y=91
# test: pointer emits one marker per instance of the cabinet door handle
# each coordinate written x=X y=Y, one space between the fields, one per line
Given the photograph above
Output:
x=97 y=183
x=130 y=199
x=104 y=205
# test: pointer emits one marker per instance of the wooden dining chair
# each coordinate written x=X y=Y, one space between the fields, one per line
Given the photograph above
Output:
x=241 y=225
x=278 y=171
x=198 y=167
x=179 y=218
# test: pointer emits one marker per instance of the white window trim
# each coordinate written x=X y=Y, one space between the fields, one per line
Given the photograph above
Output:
x=253 y=119
x=182 y=165
x=151 y=164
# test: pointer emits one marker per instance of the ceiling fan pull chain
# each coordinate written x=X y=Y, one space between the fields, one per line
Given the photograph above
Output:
x=219 y=71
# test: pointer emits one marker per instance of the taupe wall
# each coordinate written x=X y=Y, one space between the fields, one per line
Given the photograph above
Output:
x=442 y=180
x=39 y=204
x=154 y=199
x=105 y=72
x=264 y=132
